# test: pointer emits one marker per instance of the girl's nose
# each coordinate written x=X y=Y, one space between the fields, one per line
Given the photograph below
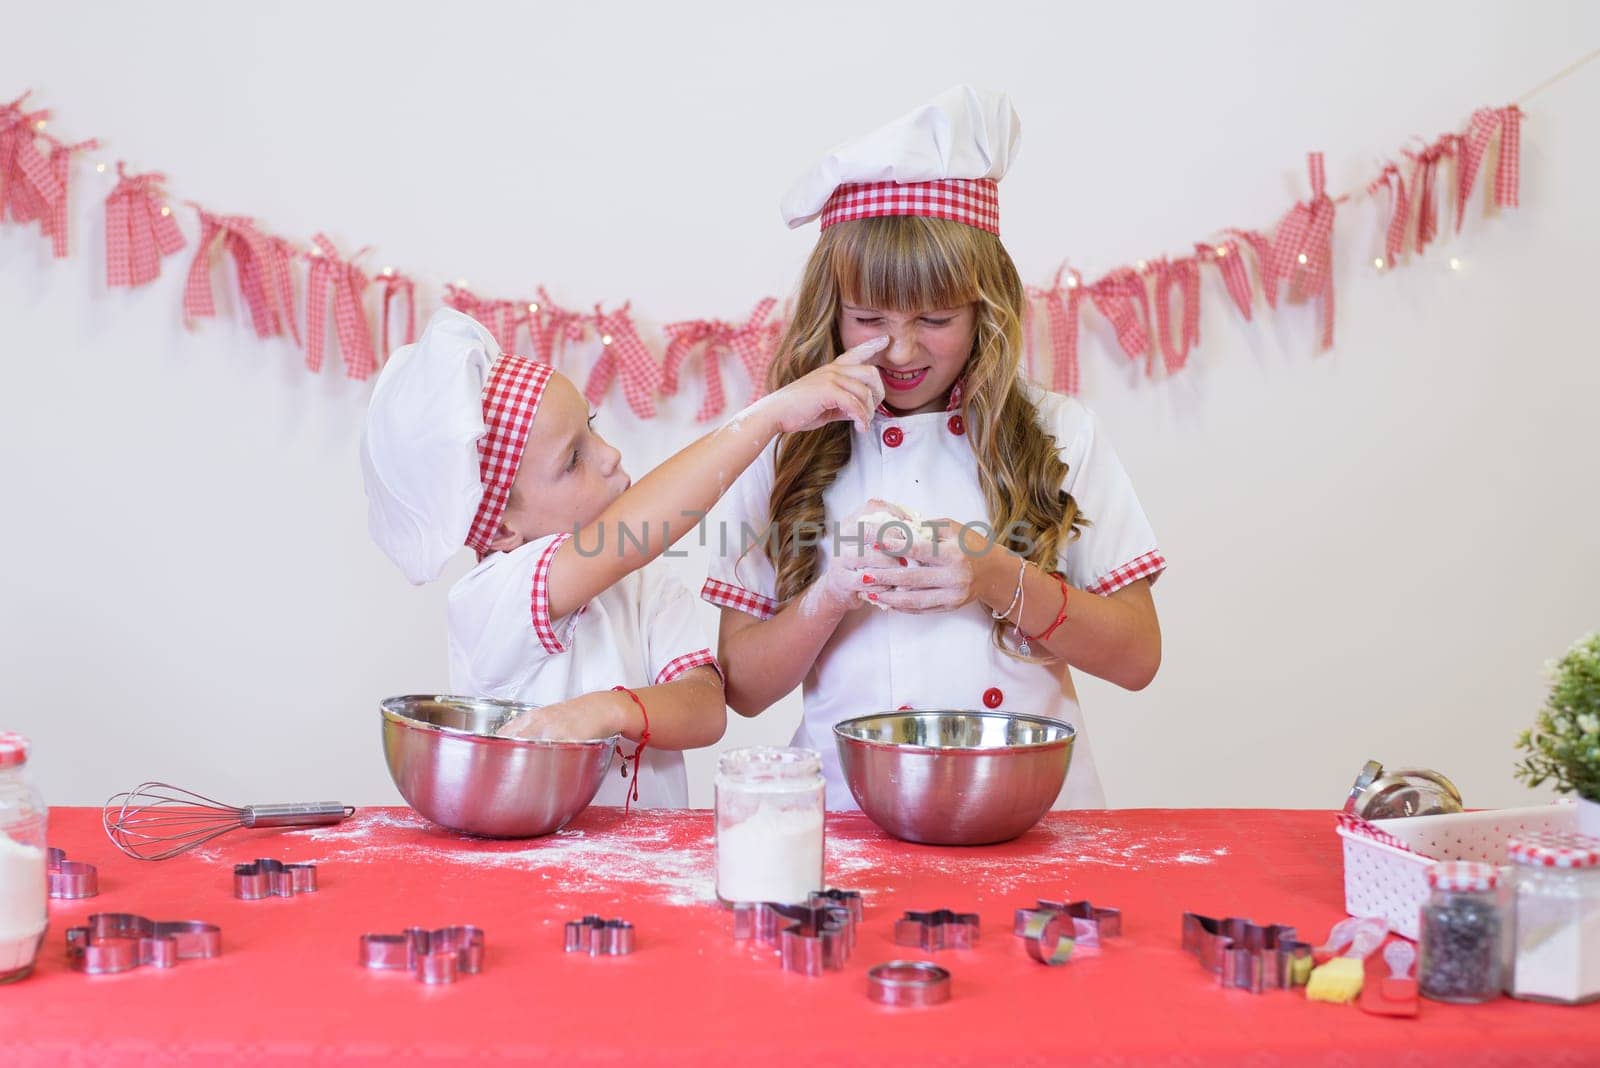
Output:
x=902 y=346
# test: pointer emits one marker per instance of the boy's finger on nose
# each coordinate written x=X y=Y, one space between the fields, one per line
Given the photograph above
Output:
x=864 y=351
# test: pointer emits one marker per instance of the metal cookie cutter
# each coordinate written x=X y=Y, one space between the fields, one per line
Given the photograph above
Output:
x=1083 y=923
x=1247 y=955
x=70 y=879
x=849 y=900
x=598 y=937
x=939 y=929
x=432 y=956
x=810 y=939
x=121 y=941
x=266 y=878
x=908 y=982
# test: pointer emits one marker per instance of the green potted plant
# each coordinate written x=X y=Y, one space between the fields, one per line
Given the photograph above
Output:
x=1563 y=745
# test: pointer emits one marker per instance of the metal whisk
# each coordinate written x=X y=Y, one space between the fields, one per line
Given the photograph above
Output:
x=155 y=820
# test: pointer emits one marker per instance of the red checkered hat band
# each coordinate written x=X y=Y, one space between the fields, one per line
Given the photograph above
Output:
x=1463 y=875
x=974 y=201
x=13 y=749
x=510 y=401
x=1555 y=849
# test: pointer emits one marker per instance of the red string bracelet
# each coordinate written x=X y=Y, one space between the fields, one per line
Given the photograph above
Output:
x=644 y=740
x=1061 y=616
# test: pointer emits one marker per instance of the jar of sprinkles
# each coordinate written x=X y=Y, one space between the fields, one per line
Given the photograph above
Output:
x=1557 y=923
x=1462 y=933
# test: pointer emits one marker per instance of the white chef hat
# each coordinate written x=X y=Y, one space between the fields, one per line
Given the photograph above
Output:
x=944 y=159
x=444 y=434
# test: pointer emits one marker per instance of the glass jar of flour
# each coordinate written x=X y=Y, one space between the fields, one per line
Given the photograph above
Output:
x=769 y=825
x=1557 y=939
x=24 y=886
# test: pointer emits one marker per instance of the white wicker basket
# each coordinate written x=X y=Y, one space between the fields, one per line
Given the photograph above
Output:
x=1390 y=878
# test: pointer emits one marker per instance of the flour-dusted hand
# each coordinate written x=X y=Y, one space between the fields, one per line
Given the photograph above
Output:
x=856 y=556
x=847 y=388
x=593 y=715
x=934 y=574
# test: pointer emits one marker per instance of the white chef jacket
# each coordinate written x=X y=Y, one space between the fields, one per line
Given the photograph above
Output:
x=640 y=632
x=877 y=661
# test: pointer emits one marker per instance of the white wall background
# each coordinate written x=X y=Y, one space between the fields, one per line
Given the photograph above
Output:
x=1373 y=552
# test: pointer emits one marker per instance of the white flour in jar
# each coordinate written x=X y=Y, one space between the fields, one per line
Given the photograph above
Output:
x=1551 y=939
x=24 y=902
x=774 y=854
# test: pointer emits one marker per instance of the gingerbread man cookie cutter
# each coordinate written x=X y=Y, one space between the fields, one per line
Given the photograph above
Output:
x=112 y=942
x=432 y=956
x=810 y=939
x=1248 y=955
x=938 y=929
x=273 y=878
x=599 y=938
x=70 y=879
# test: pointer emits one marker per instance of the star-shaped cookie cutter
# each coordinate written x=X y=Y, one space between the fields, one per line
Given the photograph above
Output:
x=939 y=929
x=269 y=878
x=599 y=937
x=432 y=956
x=113 y=942
x=1248 y=955
x=70 y=879
x=850 y=900
x=810 y=939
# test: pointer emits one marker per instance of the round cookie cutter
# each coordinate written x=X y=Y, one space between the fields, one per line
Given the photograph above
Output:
x=908 y=982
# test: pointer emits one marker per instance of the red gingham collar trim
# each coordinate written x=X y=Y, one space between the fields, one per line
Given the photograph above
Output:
x=510 y=401
x=952 y=405
x=974 y=201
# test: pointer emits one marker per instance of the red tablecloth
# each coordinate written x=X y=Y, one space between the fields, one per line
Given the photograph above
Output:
x=287 y=987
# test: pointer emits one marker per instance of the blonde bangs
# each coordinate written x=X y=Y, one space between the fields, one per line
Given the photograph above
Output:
x=905 y=263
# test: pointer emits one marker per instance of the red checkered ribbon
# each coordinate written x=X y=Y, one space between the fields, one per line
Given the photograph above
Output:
x=349 y=314
x=1261 y=247
x=280 y=255
x=53 y=221
x=623 y=353
x=1424 y=183
x=140 y=229
x=1486 y=122
x=510 y=402
x=754 y=341
x=1353 y=824
x=1302 y=250
x=974 y=201
x=252 y=254
x=1184 y=275
x=1122 y=298
x=1394 y=238
x=500 y=317
x=396 y=284
x=1061 y=303
x=1229 y=262
x=29 y=185
x=554 y=327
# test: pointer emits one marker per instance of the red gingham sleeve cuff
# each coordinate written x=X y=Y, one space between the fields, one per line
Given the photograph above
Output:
x=698 y=658
x=541 y=597
x=727 y=595
x=1147 y=566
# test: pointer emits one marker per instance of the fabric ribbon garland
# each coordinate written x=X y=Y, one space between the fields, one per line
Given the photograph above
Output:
x=554 y=327
x=1394 y=237
x=1424 y=181
x=1184 y=275
x=1230 y=264
x=252 y=255
x=396 y=284
x=500 y=317
x=29 y=184
x=623 y=353
x=1061 y=308
x=1302 y=252
x=349 y=315
x=53 y=223
x=140 y=229
x=1486 y=122
x=752 y=342
x=1122 y=298
x=755 y=343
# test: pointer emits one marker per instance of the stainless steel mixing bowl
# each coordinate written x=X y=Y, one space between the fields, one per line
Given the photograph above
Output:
x=449 y=767
x=954 y=777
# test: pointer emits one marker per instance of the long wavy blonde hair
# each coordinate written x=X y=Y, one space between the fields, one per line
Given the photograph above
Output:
x=910 y=264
